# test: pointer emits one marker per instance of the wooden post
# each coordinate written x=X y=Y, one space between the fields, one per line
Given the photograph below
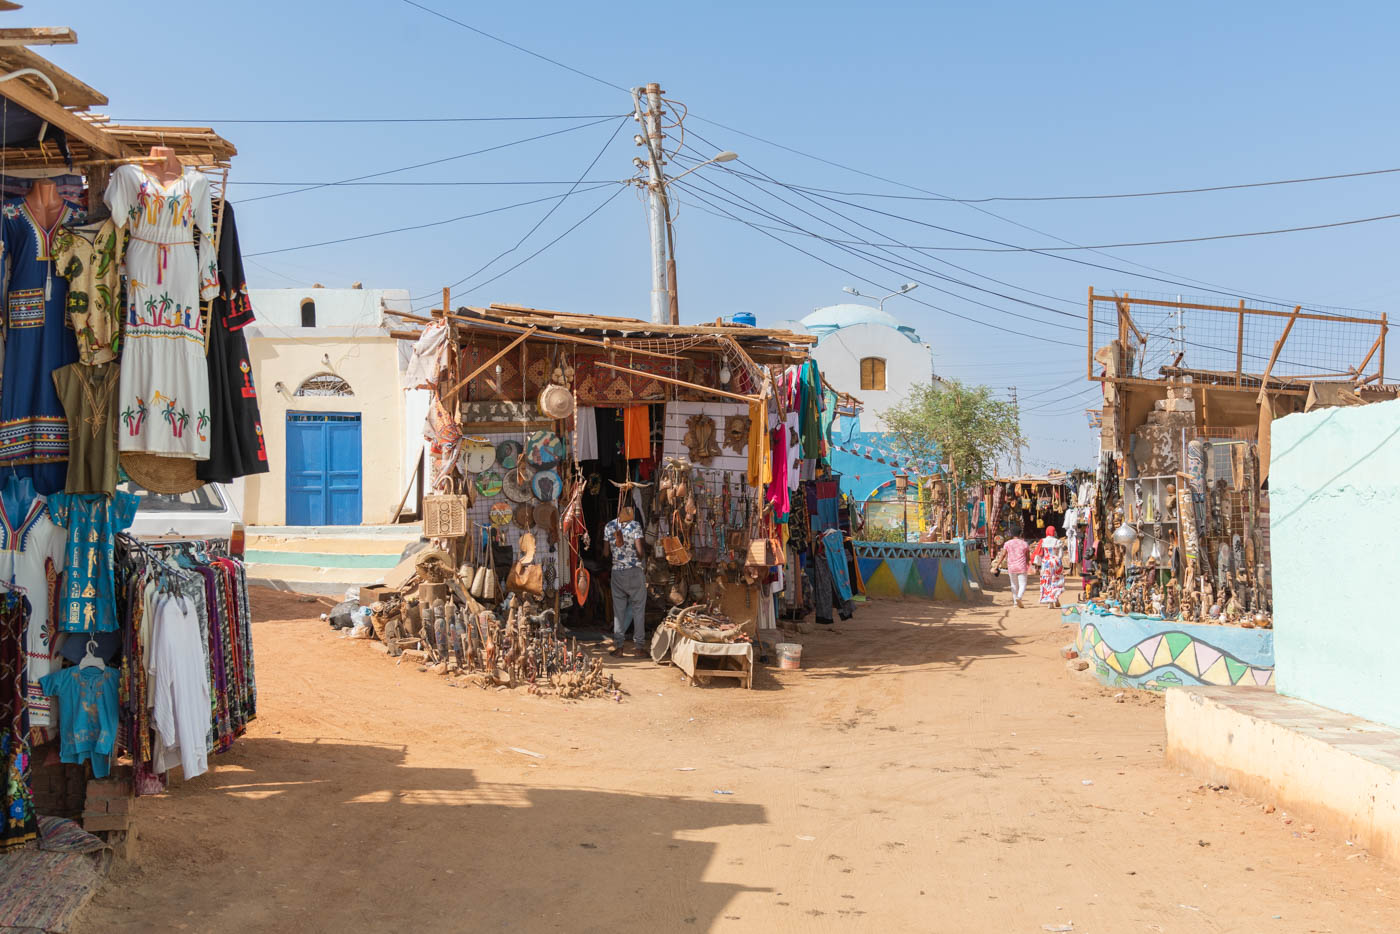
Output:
x=1278 y=347
x=1090 y=354
x=1239 y=348
x=446 y=300
x=451 y=393
x=1385 y=328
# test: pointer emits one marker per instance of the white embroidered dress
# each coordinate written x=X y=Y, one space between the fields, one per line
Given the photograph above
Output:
x=164 y=386
x=30 y=546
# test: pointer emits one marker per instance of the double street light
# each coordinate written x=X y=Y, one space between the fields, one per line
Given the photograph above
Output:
x=902 y=290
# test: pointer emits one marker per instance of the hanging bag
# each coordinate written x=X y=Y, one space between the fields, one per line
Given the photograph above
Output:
x=765 y=548
x=445 y=514
x=674 y=545
x=526 y=576
x=491 y=587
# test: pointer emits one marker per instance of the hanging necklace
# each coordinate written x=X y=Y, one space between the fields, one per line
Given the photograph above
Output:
x=98 y=399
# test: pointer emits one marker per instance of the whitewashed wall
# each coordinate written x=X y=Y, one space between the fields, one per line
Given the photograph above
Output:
x=839 y=354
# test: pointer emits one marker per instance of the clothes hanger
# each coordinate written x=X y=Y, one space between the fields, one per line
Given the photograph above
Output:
x=90 y=658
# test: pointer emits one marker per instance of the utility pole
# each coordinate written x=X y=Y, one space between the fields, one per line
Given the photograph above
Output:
x=1015 y=404
x=657 y=210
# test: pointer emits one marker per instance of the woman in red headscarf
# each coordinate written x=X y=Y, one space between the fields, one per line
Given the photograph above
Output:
x=1052 y=573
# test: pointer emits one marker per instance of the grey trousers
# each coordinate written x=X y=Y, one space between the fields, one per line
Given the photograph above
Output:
x=629 y=594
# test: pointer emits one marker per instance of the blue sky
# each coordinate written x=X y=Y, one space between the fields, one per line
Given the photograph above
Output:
x=969 y=100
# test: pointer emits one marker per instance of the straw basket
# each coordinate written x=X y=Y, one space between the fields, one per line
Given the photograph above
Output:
x=445 y=515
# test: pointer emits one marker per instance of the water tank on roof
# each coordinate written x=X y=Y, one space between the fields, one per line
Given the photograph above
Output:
x=746 y=318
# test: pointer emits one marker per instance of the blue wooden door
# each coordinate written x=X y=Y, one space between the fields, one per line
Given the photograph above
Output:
x=323 y=469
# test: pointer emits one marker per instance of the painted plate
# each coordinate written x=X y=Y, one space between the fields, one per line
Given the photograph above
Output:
x=508 y=453
x=546 y=485
x=501 y=514
x=478 y=454
x=488 y=484
x=544 y=448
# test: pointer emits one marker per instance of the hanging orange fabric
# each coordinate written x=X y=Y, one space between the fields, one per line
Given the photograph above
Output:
x=636 y=432
x=760 y=456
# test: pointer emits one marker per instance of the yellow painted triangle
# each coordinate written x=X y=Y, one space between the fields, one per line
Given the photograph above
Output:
x=1140 y=665
x=1164 y=654
x=1217 y=673
x=1187 y=660
x=882 y=583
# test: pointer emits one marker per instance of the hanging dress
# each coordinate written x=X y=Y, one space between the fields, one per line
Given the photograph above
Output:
x=164 y=389
x=18 y=822
x=31 y=557
x=236 y=444
x=38 y=340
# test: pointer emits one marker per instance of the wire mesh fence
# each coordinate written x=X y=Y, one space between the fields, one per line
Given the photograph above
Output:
x=1173 y=331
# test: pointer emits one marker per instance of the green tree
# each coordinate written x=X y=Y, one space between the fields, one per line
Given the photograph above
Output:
x=960 y=426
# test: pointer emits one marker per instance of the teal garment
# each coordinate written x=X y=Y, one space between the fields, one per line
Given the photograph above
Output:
x=829 y=398
x=93 y=521
x=87 y=714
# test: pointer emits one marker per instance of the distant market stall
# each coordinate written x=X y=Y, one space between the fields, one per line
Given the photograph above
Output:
x=544 y=426
x=1178 y=510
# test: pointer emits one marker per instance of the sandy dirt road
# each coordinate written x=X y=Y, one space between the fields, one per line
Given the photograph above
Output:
x=927 y=770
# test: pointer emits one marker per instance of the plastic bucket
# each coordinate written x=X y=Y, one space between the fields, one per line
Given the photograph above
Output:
x=789 y=655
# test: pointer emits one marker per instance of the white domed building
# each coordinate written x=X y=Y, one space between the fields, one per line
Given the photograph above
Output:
x=871 y=354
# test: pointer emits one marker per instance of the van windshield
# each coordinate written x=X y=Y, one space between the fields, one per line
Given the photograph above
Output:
x=204 y=499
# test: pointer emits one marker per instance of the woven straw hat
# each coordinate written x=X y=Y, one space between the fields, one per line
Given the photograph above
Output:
x=556 y=401
x=161 y=474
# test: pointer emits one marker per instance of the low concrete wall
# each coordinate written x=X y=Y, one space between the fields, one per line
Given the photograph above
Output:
x=929 y=570
x=1155 y=654
x=1331 y=768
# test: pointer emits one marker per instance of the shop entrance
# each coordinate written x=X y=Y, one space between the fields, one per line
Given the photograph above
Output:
x=323 y=468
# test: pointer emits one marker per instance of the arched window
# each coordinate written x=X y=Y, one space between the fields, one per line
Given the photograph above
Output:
x=872 y=373
x=308 y=313
x=324 y=384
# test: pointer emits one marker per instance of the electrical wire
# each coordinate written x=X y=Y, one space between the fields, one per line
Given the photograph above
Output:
x=354 y=120
x=724 y=213
x=450 y=220
x=420 y=165
x=443 y=184
x=1136 y=194
x=617 y=129
x=1185 y=281
x=518 y=48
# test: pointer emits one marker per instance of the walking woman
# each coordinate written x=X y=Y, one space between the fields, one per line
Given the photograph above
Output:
x=1013 y=556
x=1052 y=572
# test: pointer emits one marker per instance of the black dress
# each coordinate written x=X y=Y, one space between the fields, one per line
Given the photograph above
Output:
x=236 y=444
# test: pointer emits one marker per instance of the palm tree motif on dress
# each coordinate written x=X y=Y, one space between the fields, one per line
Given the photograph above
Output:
x=181 y=420
x=165 y=302
x=202 y=423
x=134 y=420
x=150 y=311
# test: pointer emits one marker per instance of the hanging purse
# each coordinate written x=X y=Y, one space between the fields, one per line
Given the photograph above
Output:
x=674 y=546
x=491 y=584
x=467 y=572
x=445 y=514
x=525 y=576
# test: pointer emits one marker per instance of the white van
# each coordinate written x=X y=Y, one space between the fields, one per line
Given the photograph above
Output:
x=212 y=512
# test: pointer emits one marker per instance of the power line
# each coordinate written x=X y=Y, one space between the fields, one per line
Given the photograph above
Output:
x=450 y=220
x=1136 y=194
x=860 y=278
x=1070 y=398
x=518 y=48
x=546 y=216
x=443 y=184
x=420 y=165
x=1190 y=283
x=354 y=120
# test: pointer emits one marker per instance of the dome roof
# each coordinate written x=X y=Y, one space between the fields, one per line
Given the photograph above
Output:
x=790 y=324
x=834 y=317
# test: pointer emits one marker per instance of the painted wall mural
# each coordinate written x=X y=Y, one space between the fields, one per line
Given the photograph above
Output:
x=928 y=570
x=1156 y=654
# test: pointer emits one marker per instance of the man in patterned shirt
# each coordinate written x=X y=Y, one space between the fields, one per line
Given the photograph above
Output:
x=624 y=539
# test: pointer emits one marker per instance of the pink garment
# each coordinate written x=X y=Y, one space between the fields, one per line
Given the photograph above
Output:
x=778 y=489
x=1016 y=551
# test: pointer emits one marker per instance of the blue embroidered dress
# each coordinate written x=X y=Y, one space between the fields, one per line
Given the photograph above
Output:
x=93 y=521
x=87 y=715
x=38 y=340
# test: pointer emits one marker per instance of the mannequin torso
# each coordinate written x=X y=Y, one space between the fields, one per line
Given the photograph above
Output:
x=44 y=202
x=168 y=169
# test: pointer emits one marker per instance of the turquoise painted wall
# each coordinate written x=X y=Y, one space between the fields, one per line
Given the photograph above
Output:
x=1334 y=483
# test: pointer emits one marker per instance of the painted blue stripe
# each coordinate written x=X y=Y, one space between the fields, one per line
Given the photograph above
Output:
x=320 y=559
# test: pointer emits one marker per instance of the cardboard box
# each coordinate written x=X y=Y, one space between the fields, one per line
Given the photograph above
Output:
x=374 y=594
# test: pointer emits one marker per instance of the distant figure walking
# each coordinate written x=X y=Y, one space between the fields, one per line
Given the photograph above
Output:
x=1014 y=556
x=1052 y=572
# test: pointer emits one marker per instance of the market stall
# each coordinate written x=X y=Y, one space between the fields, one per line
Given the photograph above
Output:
x=545 y=427
x=121 y=660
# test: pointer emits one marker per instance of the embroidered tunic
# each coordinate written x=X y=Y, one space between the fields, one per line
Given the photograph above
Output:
x=38 y=340
x=93 y=521
x=31 y=553
x=164 y=377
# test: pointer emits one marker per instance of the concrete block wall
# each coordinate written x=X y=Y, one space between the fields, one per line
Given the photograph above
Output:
x=1334 y=486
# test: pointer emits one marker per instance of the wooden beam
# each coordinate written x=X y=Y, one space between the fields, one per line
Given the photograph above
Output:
x=38 y=35
x=1089 y=371
x=606 y=343
x=72 y=91
x=1305 y=316
x=452 y=393
x=1361 y=368
x=752 y=400
x=1278 y=347
x=45 y=108
x=1239 y=345
x=1385 y=330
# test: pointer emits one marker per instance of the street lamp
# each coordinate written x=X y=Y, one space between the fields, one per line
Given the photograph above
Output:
x=902 y=290
x=726 y=156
